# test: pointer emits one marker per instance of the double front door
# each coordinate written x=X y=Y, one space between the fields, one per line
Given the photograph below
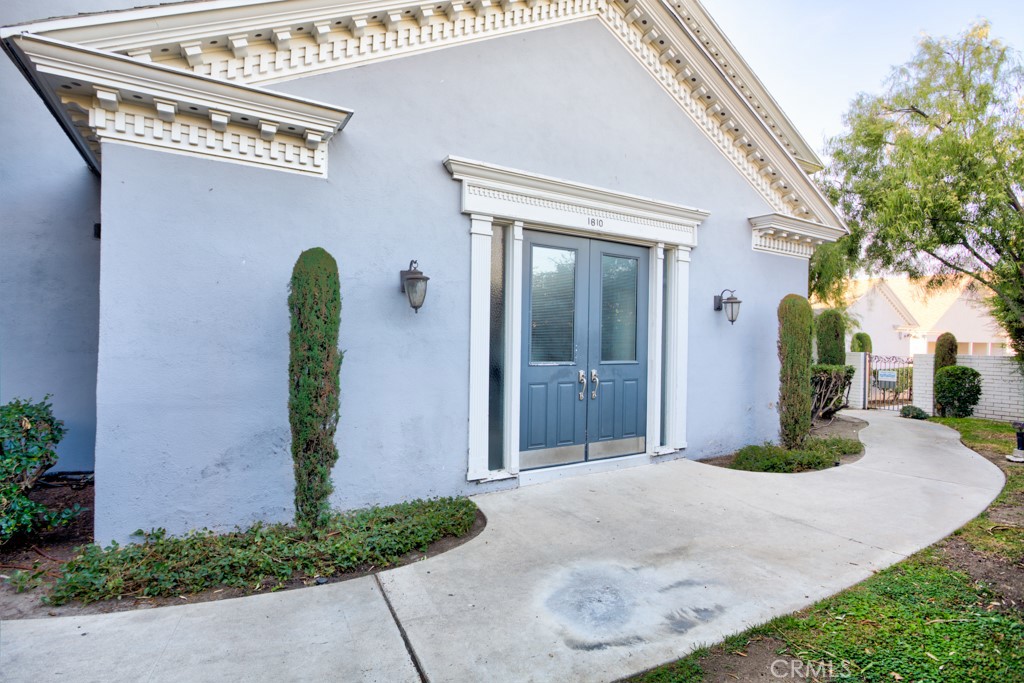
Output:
x=584 y=360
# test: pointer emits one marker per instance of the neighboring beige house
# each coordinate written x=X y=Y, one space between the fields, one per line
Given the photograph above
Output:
x=905 y=317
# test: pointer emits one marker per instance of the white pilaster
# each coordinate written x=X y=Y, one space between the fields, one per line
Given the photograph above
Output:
x=655 y=356
x=479 y=344
x=676 y=352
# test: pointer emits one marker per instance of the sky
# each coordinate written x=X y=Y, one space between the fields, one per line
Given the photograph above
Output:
x=814 y=56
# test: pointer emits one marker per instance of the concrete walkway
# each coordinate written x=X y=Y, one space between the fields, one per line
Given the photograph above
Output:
x=585 y=579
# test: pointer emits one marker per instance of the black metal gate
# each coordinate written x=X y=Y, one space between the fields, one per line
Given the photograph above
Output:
x=892 y=382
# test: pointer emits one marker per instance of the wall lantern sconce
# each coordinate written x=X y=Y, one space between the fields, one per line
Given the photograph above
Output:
x=730 y=303
x=414 y=285
x=1018 y=454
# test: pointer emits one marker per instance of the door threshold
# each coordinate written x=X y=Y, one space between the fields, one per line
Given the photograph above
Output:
x=546 y=474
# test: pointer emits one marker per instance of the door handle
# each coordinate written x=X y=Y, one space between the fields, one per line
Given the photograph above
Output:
x=597 y=383
x=583 y=381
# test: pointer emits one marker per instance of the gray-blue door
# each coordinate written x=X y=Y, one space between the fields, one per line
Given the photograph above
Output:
x=584 y=374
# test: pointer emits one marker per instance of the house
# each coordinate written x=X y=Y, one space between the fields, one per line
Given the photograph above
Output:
x=905 y=317
x=578 y=179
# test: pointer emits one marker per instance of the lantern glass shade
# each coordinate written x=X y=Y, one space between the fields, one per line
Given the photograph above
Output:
x=732 y=308
x=416 y=290
x=414 y=285
x=730 y=304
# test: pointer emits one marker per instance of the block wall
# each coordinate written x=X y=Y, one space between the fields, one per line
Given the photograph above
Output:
x=1002 y=385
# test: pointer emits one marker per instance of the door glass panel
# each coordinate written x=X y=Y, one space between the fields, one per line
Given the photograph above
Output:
x=618 y=308
x=552 y=304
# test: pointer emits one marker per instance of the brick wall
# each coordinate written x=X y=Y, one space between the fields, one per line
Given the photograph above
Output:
x=1002 y=386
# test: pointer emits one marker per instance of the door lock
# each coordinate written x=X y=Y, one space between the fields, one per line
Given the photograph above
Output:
x=597 y=383
x=583 y=381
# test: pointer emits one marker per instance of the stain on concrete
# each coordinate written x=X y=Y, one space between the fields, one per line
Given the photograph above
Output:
x=683 y=619
x=679 y=621
x=594 y=599
x=685 y=583
x=603 y=645
x=600 y=605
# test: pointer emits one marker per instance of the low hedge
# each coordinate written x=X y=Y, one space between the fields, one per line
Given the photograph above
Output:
x=263 y=556
x=817 y=454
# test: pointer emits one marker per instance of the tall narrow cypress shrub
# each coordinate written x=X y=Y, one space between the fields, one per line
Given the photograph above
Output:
x=861 y=342
x=945 y=351
x=314 y=300
x=831 y=332
x=795 y=327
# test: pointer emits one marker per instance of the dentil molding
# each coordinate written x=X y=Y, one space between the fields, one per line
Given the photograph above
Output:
x=254 y=42
x=101 y=96
x=790 y=236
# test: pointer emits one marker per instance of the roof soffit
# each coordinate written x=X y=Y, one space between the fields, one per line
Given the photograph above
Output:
x=263 y=42
x=100 y=96
x=725 y=54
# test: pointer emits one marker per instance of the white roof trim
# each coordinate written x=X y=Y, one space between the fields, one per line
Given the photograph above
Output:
x=274 y=40
x=101 y=96
x=738 y=71
x=790 y=236
x=889 y=295
x=515 y=195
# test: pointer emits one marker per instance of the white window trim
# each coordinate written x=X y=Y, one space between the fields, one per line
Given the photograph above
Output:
x=521 y=200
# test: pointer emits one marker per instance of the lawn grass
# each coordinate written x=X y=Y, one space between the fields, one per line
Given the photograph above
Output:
x=918 y=620
x=817 y=454
x=261 y=557
x=982 y=533
x=978 y=433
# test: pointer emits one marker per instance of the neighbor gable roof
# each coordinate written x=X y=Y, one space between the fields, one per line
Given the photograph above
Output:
x=920 y=306
x=256 y=43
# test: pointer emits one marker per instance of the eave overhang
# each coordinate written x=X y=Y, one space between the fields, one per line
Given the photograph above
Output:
x=791 y=236
x=101 y=96
x=257 y=43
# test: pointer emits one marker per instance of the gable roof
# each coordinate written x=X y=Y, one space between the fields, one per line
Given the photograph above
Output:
x=259 y=42
x=920 y=305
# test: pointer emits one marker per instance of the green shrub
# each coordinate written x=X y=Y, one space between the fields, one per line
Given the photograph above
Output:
x=945 y=351
x=772 y=458
x=957 y=391
x=314 y=365
x=830 y=385
x=817 y=454
x=795 y=323
x=29 y=435
x=861 y=343
x=913 y=412
x=831 y=333
x=262 y=556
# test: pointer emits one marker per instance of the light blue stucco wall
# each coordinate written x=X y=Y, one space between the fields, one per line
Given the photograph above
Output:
x=192 y=420
x=49 y=260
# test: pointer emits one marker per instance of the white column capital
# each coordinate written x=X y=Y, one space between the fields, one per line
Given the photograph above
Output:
x=481 y=225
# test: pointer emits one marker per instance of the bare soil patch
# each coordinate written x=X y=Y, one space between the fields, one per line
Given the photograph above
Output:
x=766 y=659
x=48 y=551
x=840 y=425
x=1005 y=577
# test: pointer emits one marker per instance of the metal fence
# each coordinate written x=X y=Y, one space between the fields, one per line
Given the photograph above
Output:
x=891 y=382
